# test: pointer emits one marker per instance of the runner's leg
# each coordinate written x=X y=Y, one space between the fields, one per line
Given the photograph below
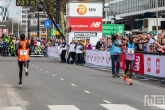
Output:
x=126 y=70
x=20 y=64
x=26 y=64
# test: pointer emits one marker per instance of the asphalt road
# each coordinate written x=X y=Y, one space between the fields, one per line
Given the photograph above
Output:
x=55 y=86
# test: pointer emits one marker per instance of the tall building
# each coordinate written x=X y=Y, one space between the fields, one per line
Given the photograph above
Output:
x=33 y=14
x=134 y=12
x=4 y=14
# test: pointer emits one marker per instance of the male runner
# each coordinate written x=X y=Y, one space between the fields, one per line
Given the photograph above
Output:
x=23 y=56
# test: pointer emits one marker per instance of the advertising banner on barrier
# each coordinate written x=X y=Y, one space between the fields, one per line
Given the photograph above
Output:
x=138 y=63
x=53 y=52
x=101 y=58
x=154 y=65
x=85 y=24
x=84 y=9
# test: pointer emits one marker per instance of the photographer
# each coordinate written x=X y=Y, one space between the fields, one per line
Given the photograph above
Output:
x=115 y=52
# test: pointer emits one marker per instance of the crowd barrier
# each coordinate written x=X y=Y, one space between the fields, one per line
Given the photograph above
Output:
x=148 y=66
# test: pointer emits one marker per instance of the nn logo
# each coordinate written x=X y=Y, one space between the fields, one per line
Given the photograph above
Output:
x=95 y=24
x=82 y=9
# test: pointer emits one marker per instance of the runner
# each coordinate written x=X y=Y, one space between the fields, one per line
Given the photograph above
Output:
x=129 y=57
x=23 y=56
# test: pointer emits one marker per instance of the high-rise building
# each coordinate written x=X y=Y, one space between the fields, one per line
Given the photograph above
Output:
x=33 y=14
x=138 y=14
x=3 y=13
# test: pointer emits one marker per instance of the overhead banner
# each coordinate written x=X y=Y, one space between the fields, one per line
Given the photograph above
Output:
x=109 y=29
x=33 y=22
x=84 y=9
x=85 y=24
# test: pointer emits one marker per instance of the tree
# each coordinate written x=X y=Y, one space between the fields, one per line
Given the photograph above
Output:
x=51 y=8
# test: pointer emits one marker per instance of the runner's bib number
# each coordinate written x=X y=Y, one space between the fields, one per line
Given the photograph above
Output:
x=130 y=50
x=23 y=52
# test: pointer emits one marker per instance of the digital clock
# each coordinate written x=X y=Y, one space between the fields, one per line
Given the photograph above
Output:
x=25 y=2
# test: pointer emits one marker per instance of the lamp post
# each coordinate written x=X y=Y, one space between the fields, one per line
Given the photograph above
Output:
x=39 y=8
x=156 y=16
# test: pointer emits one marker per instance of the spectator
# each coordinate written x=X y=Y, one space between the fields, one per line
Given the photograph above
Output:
x=115 y=52
x=79 y=51
x=99 y=44
x=150 y=42
x=83 y=52
x=63 y=51
x=72 y=51
x=88 y=46
x=37 y=50
x=161 y=47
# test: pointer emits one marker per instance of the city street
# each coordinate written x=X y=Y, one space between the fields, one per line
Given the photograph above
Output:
x=55 y=86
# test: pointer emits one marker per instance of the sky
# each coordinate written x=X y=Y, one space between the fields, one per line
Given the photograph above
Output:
x=14 y=11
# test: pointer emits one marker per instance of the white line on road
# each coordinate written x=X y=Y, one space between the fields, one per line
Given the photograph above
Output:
x=73 y=84
x=10 y=108
x=36 y=66
x=61 y=79
x=62 y=107
x=53 y=75
x=41 y=69
x=47 y=72
x=87 y=92
x=106 y=101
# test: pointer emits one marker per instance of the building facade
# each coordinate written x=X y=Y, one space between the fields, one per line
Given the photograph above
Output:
x=135 y=13
x=4 y=14
x=33 y=14
x=124 y=8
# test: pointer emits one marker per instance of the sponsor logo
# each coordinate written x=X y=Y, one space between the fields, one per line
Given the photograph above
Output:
x=149 y=65
x=154 y=100
x=107 y=58
x=95 y=24
x=157 y=66
x=85 y=34
x=137 y=63
x=82 y=9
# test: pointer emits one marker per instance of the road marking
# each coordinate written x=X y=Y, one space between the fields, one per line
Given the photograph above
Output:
x=106 y=101
x=161 y=107
x=32 y=65
x=87 y=92
x=36 y=66
x=47 y=72
x=73 y=84
x=62 y=107
x=118 y=107
x=53 y=75
x=41 y=69
x=61 y=79
x=11 y=108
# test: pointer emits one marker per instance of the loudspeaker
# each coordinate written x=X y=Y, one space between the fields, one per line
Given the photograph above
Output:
x=162 y=24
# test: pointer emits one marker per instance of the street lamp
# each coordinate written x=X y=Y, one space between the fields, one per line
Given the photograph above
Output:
x=156 y=16
x=39 y=8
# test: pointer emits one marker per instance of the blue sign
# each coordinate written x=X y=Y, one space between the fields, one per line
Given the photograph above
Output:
x=58 y=25
x=47 y=23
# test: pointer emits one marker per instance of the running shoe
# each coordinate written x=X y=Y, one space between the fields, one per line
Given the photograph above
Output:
x=113 y=75
x=20 y=83
x=117 y=75
x=74 y=63
x=26 y=71
x=130 y=82
x=125 y=77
